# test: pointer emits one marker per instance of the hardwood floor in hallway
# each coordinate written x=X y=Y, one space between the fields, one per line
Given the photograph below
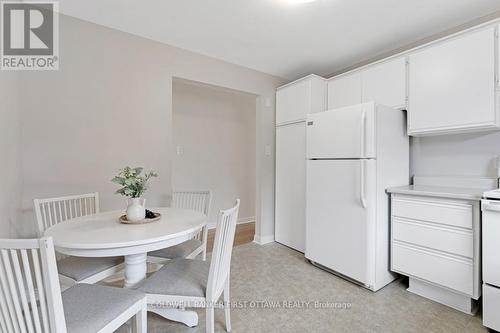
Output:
x=244 y=234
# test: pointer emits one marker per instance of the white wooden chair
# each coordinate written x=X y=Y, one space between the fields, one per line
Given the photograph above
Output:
x=190 y=249
x=197 y=283
x=75 y=269
x=31 y=300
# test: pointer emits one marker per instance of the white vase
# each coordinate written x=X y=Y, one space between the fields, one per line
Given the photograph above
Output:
x=136 y=209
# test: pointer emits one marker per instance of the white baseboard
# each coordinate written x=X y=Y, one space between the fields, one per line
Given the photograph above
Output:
x=242 y=220
x=263 y=240
x=246 y=219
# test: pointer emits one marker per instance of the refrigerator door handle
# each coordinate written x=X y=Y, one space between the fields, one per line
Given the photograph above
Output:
x=363 y=134
x=362 y=186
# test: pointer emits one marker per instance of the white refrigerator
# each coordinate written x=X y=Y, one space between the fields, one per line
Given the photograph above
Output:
x=353 y=155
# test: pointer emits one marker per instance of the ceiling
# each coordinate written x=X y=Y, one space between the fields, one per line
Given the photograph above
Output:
x=285 y=38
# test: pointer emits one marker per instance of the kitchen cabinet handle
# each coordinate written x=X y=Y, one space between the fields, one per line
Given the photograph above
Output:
x=362 y=185
x=491 y=206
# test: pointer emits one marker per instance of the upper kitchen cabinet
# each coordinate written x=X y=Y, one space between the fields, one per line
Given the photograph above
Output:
x=452 y=85
x=385 y=83
x=299 y=98
x=344 y=90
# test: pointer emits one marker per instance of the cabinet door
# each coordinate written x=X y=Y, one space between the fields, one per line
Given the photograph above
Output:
x=344 y=91
x=293 y=102
x=452 y=85
x=296 y=100
x=290 y=185
x=385 y=83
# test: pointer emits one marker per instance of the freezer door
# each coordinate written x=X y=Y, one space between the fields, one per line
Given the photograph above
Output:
x=342 y=133
x=340 y=216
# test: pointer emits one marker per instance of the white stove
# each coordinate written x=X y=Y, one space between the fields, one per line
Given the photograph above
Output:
x=490 y=207
x=493 y=194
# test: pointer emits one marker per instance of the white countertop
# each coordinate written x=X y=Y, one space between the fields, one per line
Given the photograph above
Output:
x=439 y=191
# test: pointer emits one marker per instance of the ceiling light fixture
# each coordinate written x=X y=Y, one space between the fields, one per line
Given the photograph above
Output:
x=298 y=2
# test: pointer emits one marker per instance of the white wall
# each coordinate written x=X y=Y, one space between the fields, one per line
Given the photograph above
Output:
x=460 y=154
x=10 y=156
x=215 y=130
x=110 y=105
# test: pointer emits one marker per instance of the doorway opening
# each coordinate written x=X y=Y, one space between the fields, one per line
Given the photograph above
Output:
x=214 y=149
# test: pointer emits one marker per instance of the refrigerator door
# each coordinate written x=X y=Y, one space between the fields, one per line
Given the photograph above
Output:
x=342 y=133
x=340 y=216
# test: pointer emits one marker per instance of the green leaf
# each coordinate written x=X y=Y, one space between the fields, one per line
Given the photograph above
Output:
x=133 y=181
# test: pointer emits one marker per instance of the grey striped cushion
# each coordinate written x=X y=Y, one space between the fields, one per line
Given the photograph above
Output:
x=89 y=307
x=178 y=251
x=183 y=277
x=80 y=268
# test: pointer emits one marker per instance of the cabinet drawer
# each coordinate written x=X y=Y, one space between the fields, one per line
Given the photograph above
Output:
x=447 y=271
x=448 y=213
x=455 y=241
x=491 y=307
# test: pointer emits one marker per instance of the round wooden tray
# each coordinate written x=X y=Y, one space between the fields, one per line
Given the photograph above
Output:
x=123 y=219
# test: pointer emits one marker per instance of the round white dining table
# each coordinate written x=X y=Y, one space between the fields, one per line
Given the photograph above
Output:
x=102 y=235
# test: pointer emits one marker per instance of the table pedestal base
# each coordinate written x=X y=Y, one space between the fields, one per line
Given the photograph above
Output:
x=189 y=318
x=135 y=269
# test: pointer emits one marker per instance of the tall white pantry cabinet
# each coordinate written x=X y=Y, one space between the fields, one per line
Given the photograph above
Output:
x=293 y=102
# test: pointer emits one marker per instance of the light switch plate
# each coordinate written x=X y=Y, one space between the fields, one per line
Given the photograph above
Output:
x=180 y=150
x=267 y=150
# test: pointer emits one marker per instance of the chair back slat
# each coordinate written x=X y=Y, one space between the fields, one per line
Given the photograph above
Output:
x=3 y=324
x=195 y=200
x=51 y=211
x=30 y=297
x=221 y=254
x=31 y=291
x=8 y=310
x=21 y=289
x=35 y=257
x=11 y=290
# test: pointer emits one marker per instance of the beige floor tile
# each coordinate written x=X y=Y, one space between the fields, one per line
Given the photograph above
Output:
x=276 y=273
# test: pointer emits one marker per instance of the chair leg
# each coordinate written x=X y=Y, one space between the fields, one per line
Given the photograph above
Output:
x=227 y=307
x=140 y=322
x=205 y=238
x=210 y=320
